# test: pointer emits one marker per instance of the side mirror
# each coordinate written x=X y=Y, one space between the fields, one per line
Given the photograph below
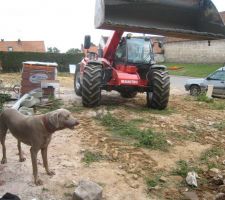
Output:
x=208 y=78
x=160 y=44
x=87 y=42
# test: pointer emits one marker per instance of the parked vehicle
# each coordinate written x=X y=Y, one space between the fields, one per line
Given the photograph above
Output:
x=127 y=63
x=200 y=85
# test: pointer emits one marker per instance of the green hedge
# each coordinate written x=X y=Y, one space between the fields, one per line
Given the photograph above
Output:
x=12 y=61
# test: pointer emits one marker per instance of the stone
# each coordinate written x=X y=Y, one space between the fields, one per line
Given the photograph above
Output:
x=214 y=172
x=222 y=188
x=135 y=177
x=191 y=195
x=115 y=155
x=169 y=142
x=220 y=196
x=191 y=179
x=163 y=179
x=217 y=180
x=88 y=190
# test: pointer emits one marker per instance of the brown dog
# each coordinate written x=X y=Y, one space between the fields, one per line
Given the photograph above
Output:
x=35 y=131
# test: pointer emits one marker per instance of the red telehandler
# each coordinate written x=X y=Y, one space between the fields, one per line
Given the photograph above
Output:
x=127 y=63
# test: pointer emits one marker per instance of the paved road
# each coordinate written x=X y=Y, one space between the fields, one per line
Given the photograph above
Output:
x=177 y=84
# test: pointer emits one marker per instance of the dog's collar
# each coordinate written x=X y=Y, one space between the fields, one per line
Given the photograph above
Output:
x=49 y=127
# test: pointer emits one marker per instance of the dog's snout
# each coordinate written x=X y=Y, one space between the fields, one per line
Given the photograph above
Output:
x=76 y=123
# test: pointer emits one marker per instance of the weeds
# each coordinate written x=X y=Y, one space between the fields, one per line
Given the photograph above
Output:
x=183 y=167
x=220 y=126
x=208 y=157
x=52 y=104
x=167 y=111
x=90 y=157
x=217 y=106
x=154 y=181
x=56 y=103
x=146 y=138
x=203 y=98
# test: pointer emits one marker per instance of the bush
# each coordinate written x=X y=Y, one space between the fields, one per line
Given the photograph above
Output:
x=12 y=61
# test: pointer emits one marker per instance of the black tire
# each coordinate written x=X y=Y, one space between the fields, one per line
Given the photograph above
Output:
x=91 y=87
x=195 y=90
x=128 y=94
x=158 y=98
x=77 y=84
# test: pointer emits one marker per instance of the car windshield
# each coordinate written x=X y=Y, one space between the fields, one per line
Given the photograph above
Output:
x=139 y=50
x=218 y=75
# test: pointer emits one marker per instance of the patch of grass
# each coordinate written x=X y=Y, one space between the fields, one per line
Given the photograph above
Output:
x=90 y=157
x=212 y=152
x=217 y=105
x=187 y=136
x=167 y=111
x=220 y=126
x=209 y=157
x=52 y=104
x=150 y=139
x=45 y=189
x=194 y=70
x=183 y=167
x=203 y=98
x=146 y=138
x=153 y=181
x=56 y=103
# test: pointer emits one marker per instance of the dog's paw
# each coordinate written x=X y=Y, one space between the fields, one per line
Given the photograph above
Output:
x=22 y=159
x=38 y=182
x=4 y=161
x=51 y=173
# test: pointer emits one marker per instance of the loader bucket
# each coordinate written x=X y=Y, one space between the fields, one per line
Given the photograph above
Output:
x=194 y=19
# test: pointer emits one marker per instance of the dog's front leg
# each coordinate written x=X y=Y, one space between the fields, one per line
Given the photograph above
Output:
x=34 y=153
x=4 y=159
x=45 y=161
x=21 y=157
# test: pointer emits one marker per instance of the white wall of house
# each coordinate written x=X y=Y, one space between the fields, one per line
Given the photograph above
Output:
x=195 y=52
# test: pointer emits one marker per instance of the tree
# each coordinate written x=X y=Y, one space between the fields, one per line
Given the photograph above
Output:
x=53 y=50
x=73 y=51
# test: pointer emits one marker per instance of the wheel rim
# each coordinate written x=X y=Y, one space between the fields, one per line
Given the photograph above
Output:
x=149 y=95
x=77 y=82
x=194 y=91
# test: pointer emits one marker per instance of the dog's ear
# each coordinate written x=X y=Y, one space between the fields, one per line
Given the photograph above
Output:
x=54 y=119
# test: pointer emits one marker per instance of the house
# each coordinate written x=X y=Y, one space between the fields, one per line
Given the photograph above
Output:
x=22 y=46
x=190 y=51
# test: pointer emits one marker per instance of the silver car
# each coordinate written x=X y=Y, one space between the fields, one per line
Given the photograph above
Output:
x=217 y=79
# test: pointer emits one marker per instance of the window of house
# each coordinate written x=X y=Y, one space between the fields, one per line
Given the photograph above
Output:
x=10 y=49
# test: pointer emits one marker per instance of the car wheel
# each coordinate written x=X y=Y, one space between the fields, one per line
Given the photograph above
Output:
x=195 y=90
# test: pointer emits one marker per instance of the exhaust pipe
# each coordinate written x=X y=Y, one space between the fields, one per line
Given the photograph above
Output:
x=193 y=19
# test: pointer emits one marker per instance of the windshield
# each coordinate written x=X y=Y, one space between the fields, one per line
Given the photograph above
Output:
x=139 y=50
x=218 y=75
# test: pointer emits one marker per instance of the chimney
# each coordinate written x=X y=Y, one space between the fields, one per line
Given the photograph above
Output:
x=2 y=40
x=19 y=41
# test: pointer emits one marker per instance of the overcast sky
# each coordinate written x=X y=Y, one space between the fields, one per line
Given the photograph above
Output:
x=62 y=24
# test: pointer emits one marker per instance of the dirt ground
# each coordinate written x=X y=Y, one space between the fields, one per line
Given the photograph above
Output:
x=128 y=171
